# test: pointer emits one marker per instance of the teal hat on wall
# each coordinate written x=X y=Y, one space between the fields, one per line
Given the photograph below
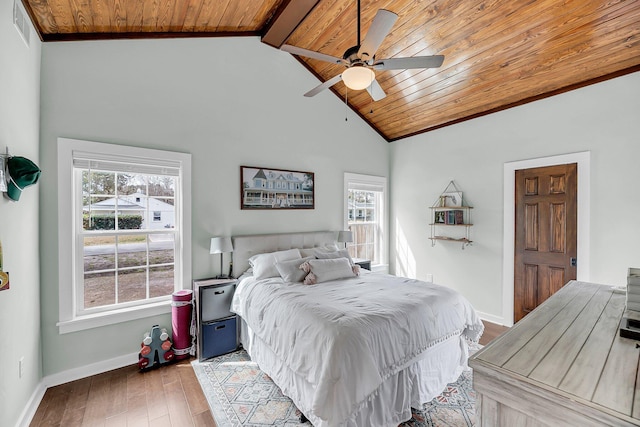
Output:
x=22 y=173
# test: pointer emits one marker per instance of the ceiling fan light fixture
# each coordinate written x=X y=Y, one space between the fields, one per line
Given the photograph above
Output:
x=358 y=78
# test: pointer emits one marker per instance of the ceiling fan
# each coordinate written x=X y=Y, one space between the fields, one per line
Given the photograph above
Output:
x=361 y=62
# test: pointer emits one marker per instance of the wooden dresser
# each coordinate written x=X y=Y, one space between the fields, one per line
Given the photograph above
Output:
x=564 y=364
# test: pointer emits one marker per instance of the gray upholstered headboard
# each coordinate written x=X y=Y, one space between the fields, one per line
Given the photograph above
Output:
x=245 y=247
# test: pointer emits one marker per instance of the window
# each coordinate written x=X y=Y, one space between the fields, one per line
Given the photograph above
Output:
x=365 y=215
x=124 y=232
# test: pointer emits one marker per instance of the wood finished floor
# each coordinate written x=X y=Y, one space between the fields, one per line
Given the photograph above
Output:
x=169 y=396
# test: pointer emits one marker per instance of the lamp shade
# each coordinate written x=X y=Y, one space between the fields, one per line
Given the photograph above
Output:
x=358 y=77
x=221 y=245
x=345 y=236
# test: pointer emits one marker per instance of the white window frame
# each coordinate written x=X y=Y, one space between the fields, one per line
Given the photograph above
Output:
x=369 y=182
x=69 y=319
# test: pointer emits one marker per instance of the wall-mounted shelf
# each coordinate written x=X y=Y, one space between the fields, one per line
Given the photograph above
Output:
x=449 y=214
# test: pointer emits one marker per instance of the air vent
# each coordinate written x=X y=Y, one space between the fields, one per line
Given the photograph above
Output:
x=21 y=21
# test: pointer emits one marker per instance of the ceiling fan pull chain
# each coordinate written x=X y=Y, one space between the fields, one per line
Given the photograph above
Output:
x=346 y=102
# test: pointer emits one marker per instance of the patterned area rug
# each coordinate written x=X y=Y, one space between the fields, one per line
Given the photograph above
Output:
x=240 y=394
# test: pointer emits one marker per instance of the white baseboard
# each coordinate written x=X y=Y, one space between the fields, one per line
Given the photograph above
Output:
x=89 y=370
x=32 y=406
x=71 y=375
x=491 y=318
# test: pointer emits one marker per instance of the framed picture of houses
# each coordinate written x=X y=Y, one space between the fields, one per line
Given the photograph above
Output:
x=264 y=188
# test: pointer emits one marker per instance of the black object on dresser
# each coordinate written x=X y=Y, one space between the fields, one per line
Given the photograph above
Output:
x=217 y=325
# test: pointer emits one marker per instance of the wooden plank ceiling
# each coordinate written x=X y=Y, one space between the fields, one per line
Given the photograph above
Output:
x=498 y=53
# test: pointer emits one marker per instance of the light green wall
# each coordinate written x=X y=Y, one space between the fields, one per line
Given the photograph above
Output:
x=20 y=305
x=602 y=119
x=228 y=102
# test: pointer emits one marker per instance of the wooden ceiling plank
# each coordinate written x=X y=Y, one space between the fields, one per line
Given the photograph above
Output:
x=238 y=16
x=316 y=22
x=119 y=17
x=101 y=13
x=41 y=12
x=191 y=15
x=165 y=16
x=257 y=20
x=134 y=12
x=286 y=19
x=179 y=15
x=265 y=14
x=81 y=10
x=209 y=14
x=63 y=15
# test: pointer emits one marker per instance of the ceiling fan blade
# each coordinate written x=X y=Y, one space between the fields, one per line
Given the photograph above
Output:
x=311 y=54
x=433 y=61
x=375 y=90
x=380 y=27
x=324 y=86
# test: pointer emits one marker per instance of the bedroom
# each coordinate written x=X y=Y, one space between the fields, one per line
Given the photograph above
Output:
x=125 y=92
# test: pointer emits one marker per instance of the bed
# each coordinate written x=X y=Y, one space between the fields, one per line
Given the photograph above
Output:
x=355 y=349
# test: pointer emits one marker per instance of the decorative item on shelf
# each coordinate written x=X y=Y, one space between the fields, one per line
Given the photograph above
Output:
x=345 y=236
x=221 y=245
x=449 y=211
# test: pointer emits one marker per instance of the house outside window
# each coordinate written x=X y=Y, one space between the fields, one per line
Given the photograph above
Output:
x=127 y=226
x=365 y=216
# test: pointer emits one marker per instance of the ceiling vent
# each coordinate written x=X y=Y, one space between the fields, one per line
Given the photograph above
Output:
x=21 y=21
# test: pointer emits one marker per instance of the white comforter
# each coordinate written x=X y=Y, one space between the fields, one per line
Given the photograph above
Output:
x=347 y=336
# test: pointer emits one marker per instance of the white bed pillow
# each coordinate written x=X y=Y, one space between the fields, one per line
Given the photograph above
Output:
x=264 y=265
x=328 y=247
x=290 y=270
x=341 y=253
x=323 y=270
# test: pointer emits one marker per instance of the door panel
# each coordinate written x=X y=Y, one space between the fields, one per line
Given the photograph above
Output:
x=545 y=234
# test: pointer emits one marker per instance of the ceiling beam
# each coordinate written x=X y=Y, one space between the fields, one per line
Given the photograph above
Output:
x=286 y=19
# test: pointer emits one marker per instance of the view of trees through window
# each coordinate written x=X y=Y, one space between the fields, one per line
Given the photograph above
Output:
x=128 y=234
x=362 y=220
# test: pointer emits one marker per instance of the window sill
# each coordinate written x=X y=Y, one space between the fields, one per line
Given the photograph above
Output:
x=380 y=268
x=112 y=317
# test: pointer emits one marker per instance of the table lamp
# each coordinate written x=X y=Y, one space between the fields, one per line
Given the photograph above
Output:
x=220 y=245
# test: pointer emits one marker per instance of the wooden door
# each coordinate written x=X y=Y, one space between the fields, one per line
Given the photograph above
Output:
x=545 y=234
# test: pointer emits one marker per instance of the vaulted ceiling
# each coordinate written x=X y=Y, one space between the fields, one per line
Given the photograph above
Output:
x=498 y=53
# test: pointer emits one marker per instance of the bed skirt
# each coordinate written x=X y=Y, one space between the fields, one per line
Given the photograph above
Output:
x=419 y=382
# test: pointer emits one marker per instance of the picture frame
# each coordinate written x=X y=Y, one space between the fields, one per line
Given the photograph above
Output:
x=267 y=188
x=440 y=217
x=452 y=199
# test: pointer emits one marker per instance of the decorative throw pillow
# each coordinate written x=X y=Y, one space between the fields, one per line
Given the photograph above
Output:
x=264 y=265
x=290 y=270
x=323 y=270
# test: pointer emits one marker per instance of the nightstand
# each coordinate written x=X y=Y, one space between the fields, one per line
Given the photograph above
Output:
x=217 y=325
x=363 y=263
